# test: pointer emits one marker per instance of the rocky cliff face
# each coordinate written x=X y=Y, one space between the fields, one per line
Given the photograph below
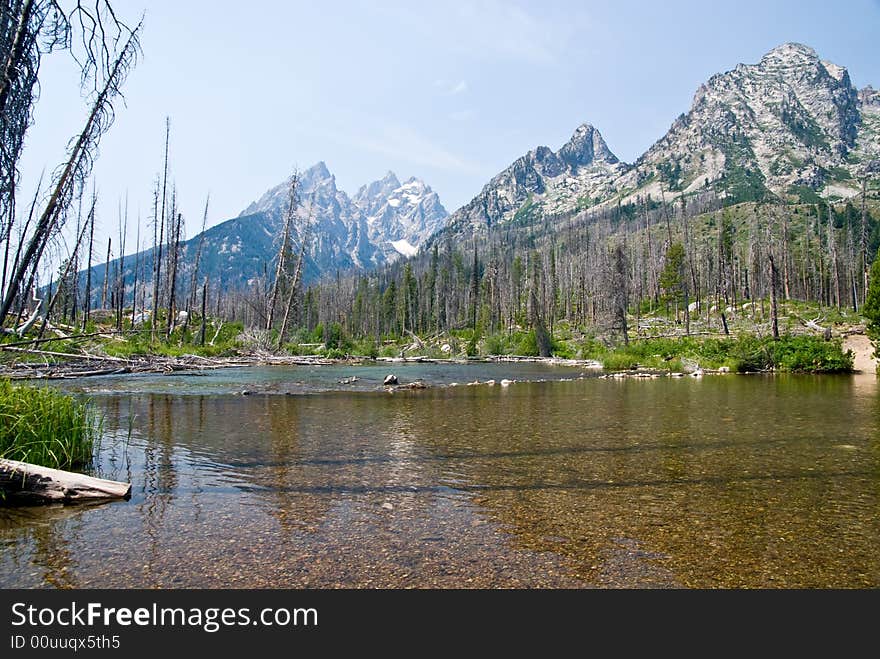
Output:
x=789 y=121
x=866 y=155
x=399 y=217
x=544 y=181
x=787 y=124
x=384 y=220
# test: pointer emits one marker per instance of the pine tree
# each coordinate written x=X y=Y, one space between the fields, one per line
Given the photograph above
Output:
x=871 y=308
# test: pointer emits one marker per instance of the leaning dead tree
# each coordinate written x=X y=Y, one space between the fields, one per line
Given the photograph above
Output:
x=108 y=50
x=29 y=29
x=283 y=249
x=191 y=295
x=293 y=285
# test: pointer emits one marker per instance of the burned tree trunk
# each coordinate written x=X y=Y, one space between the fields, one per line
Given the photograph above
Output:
x=774 y=279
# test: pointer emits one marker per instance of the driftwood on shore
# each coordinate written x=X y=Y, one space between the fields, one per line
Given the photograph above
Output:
x=62 y=365
x=52 y=365
x=21 y=482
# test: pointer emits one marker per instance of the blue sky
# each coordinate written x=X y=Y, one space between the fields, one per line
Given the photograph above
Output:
x=450 y=91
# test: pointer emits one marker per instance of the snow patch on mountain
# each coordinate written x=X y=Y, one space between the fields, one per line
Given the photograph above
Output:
x=403 y=247
x=384 y=220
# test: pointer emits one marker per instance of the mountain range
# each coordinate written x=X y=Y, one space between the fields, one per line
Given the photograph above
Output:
x=384 y=221
x=791 y=126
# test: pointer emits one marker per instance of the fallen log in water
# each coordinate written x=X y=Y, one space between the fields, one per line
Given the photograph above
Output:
x=21 y=482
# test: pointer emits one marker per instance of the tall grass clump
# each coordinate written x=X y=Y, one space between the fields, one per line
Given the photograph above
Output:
x=46 y=427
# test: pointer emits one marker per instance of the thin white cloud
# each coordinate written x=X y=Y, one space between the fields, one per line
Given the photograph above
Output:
x=495 y=28
x=450 y=88
x=405 y=143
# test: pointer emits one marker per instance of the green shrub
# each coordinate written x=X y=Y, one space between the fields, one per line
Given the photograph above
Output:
x=811 y=354
x=563 y=350
x=747 y=353
x=365 y=348
x=527 y=345
x=390 y=350
x=334 y=338
x=619 y=361
x=46 y=427
x=494 y=344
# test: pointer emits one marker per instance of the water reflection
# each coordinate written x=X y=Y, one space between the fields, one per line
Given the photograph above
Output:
x=726 y=481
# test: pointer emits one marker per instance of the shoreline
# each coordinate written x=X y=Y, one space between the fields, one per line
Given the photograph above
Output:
x=851 y=352
x=97 y=365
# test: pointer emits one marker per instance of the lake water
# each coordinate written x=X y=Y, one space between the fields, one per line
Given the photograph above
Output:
x=558 y=480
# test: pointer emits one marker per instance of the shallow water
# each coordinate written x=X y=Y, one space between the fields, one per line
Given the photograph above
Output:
x=724 y=481
x=323 y=379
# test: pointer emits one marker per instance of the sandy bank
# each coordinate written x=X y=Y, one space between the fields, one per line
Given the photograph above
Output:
x=864 y=361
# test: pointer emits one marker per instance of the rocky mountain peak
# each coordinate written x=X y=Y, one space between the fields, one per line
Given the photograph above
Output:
x=416 y=183
x=788 y=122
x=784 y=124
x=789 y=54
x=315 y=177
x=400 y=217
x=585 y=147
x=319 y=169
x=390 y=178
x=839 y=73
x=869 y=96
x=383 y=220
x=379 y=189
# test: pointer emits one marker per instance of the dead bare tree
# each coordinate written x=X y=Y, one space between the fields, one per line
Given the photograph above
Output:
x=68 y=268
x=294 y=284
x=172 y=275
x=283 y=249
x=81 y=153
x=137 y=268
x=204 y=312
x=160 y=219
x=191 y=295
x=106 y=274
x=120 y=270
x=87 y=302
